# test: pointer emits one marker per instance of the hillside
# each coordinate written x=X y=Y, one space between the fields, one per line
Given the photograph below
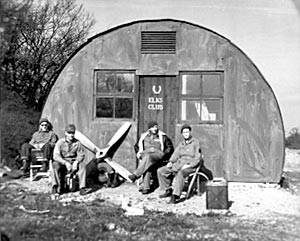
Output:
x=17 y=122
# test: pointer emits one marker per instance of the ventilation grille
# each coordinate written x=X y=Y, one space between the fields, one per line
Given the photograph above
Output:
x=158 y=42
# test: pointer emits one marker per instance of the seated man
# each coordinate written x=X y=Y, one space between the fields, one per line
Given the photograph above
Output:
x=68 y=157
x=43 y=139
x=184 y=160
x=153 y=148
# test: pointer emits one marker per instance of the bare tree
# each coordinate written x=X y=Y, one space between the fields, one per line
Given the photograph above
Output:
x=39 y=37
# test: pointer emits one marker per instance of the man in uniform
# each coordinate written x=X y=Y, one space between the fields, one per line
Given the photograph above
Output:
x=184 y=160
x=153 y=148
x=43 y=139
x=68 y=157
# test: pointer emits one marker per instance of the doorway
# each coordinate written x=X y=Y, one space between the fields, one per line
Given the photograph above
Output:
x=158 y=101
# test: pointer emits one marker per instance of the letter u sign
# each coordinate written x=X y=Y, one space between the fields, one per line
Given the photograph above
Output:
x=155 y=91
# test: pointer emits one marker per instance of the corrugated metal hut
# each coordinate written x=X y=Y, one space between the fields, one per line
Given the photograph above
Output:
x=174 y=72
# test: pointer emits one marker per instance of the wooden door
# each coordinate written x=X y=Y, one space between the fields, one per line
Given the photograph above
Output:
x=158 y=100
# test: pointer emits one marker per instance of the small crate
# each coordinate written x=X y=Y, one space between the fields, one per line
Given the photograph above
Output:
x=217 y=194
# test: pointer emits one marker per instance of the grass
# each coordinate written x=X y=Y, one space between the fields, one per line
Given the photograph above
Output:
x=101 y=220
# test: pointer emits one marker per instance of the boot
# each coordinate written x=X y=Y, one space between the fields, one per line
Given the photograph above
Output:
x=132 y=177
x=84 y=191
x=174 y=199
x=168 y=193
x=25 y=166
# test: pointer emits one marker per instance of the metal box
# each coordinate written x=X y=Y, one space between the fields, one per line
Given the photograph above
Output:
x=217 y=194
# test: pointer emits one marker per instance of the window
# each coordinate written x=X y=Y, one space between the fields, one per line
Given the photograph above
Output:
x=202 y=97
x=114 y=94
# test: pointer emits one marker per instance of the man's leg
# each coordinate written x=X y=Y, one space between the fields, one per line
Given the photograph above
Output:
x=178 y=183
x=47 y=153
x=58 y=172
x=165 y=176
x=82 y=179
x=146 y=162
x=82 y=175
x=25 y=156
x=150 y=181
x=145 y=167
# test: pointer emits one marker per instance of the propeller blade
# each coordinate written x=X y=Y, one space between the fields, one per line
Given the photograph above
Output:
x=109 y=151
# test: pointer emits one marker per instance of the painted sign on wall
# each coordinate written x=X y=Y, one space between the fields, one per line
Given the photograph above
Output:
x=155 y=103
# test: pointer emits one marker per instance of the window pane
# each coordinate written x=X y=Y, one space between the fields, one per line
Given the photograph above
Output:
x=105 y=82
x=190 y=110
x=211 y=110
x=211 y=84
x=205 y=110
x=124 y=108
x=191 y=85
x=125 y=83
x=104 y=107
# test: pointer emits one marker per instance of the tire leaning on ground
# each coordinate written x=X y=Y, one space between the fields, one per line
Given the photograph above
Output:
x=103 y=169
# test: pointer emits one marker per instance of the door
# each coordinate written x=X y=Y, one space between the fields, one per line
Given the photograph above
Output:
x=158 y=101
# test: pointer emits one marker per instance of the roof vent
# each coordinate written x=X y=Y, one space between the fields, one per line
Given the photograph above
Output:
x=158 y=42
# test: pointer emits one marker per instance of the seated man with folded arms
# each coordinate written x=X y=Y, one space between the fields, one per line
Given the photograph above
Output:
x=68 y=157
x=43 y=139
x=153 y=147
x=183 y=162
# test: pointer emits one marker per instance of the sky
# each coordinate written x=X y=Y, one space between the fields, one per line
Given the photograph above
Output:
x=267 y=31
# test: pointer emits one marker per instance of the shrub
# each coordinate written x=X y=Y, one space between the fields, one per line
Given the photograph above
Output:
x=293 y=140
x=18 y=122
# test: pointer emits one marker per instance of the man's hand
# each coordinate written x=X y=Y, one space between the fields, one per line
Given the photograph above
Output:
x=68 y=166
x=185 y=166
x=38 y=145
x=169 y=164
x=75 y=166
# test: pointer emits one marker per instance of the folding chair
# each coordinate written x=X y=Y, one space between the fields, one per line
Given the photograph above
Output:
x=196 y=177
x=36 y=164
x=201 y=174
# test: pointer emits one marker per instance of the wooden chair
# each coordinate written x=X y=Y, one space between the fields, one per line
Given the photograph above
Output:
x=36 y=164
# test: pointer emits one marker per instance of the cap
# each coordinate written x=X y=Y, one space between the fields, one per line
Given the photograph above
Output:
x=70 y=128
x=186 y=126
x=151 y=124
x=43 y=120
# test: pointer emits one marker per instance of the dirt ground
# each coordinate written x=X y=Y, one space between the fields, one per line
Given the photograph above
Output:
x=257 y=211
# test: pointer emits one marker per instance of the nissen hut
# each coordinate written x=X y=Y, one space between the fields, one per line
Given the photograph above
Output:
x=173 y=72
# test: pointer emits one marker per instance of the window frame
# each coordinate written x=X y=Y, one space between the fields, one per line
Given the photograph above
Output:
x=114 y=95
x=186 y=97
